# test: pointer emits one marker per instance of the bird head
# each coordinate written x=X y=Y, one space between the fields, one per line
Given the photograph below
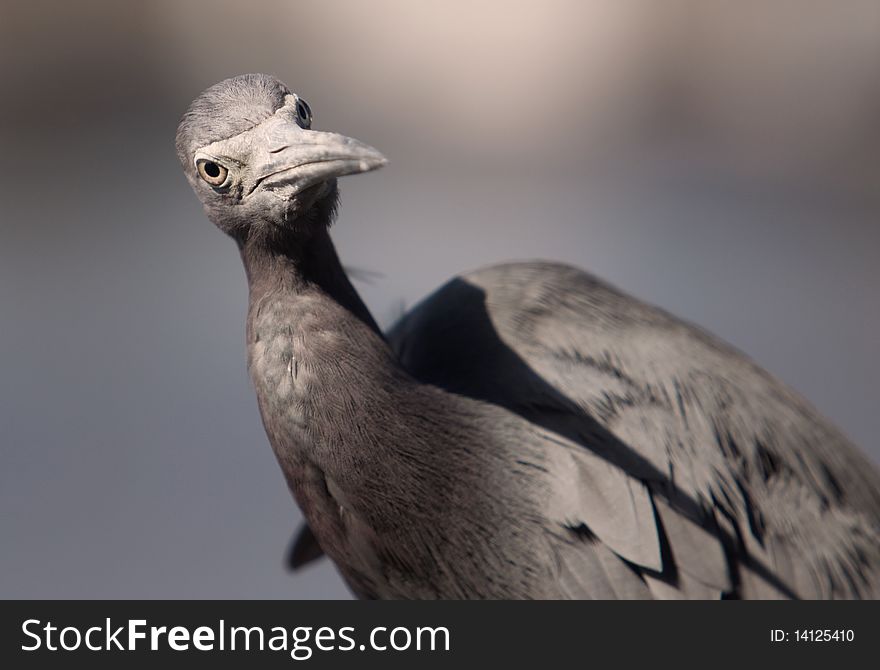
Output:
x=248 y=151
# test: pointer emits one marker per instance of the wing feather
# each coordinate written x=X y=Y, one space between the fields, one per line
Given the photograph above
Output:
x=614 y=506
x=588 y=570
x=756 y=494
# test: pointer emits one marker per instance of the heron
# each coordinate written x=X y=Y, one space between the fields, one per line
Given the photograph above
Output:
x=527 y=431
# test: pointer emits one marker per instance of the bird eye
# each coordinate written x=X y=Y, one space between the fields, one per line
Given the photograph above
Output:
x=213 y=173
x=304 y=113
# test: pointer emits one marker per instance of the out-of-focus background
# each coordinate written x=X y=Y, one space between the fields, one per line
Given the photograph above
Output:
x=719 y=159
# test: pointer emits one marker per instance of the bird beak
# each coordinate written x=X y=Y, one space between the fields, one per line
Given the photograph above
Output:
x=297 y=159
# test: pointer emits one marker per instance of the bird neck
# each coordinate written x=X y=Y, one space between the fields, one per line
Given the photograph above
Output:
x=291 y=266
x=318 y=360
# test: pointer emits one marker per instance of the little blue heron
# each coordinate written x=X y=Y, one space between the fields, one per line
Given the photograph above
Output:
x=527 y=431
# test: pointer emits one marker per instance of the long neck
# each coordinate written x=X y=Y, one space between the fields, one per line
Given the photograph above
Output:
x=321 y=368
x=294 y=267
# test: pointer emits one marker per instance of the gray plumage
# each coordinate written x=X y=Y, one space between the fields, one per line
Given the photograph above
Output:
x=525 y=432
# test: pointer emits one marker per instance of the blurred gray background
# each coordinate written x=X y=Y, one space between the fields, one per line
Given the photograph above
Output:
x=719 y=159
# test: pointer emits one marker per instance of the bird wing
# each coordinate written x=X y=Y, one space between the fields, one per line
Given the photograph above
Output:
x=303 y=548
x=695 y=468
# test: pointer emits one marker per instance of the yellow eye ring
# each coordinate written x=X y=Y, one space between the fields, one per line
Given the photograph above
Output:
x=212 y=172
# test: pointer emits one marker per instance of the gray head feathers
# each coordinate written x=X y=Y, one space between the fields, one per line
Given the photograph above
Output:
x=228 y=108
